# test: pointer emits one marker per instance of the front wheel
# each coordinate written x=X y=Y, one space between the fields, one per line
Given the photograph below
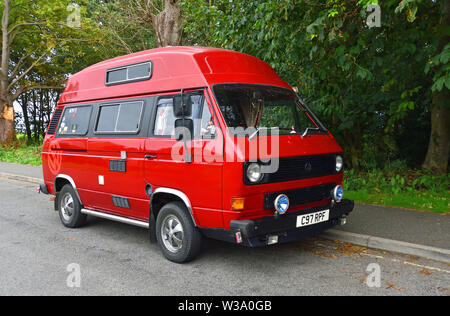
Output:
x=177 y=236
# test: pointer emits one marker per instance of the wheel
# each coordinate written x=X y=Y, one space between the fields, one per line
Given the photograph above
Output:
x=69 y=207
x=177 y=236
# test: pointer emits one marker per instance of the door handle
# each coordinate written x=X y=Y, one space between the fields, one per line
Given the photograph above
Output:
x=150 y=157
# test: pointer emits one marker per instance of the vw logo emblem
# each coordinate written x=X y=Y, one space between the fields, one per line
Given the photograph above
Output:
x=281 y=204
x=308 y=167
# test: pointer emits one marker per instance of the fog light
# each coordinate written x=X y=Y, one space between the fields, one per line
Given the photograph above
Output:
x=281 y=204
x=272 y=240
x=338 y=193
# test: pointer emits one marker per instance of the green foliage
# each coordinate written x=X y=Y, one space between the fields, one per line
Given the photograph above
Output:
x=125 y=25
x=396 y=181
x=45 y=46
x=367 y=84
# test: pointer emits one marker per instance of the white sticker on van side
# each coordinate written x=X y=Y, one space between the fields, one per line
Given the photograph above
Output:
x=101 y=180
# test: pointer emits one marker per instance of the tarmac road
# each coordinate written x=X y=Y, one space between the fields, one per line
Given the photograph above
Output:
x=115 y=259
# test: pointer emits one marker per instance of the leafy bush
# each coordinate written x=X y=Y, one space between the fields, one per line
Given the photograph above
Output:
x=396 y=181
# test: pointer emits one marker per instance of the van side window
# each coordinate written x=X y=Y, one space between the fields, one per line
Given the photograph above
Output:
x=165 y=118
x=129 y=73
x=208 y=129
x=119 y=118
x=75 y=121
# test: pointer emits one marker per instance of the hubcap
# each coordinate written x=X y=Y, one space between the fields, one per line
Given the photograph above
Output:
x=67 y=207
x=172 y=234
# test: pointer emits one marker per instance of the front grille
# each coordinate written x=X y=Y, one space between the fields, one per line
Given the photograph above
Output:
x=297 y=168
x=301 y=196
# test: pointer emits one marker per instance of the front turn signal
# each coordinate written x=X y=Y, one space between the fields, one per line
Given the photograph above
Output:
x=237 y=204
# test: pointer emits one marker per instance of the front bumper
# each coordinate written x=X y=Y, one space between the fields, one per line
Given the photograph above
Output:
x=255 y=233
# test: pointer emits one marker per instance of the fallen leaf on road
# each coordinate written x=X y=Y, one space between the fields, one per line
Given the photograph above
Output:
x=350 y=249
x=425 y=272
x=392 y=286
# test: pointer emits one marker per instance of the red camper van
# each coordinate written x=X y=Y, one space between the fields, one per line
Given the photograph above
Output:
x=192 y=142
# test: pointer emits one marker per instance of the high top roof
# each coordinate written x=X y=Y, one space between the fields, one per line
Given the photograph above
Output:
x=174 y=68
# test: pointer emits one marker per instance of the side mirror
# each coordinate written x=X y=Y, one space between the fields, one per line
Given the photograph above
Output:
x=184 y=129
x=185 y=107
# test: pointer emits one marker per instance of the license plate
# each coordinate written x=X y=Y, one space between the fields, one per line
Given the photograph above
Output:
x=313 y=218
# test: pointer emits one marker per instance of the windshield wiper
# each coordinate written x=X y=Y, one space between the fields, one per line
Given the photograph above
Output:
x=310 y=129
x=258 y=130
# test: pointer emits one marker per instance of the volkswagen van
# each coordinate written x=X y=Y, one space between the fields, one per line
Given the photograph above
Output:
x=192 y=142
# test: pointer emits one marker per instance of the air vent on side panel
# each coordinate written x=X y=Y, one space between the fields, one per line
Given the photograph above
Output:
x=121 y=202
x=54 y=122
x=118 y=165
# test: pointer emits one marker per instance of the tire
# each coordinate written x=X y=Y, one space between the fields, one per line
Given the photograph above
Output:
x=69 y=208
x=178 y=238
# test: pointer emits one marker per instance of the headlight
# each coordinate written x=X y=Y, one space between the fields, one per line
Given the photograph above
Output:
x=254 y=173
x=339 y=163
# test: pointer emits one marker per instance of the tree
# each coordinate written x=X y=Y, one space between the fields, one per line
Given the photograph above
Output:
x=439 y=146
x=38 y=38
x=137 y=25
x=168 y=24
x=366 y=83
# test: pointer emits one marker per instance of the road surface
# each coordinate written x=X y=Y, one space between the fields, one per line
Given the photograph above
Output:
x=39 y=256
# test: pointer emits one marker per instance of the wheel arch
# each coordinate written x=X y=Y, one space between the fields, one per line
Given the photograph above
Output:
x=60 y=181
x=161 y=197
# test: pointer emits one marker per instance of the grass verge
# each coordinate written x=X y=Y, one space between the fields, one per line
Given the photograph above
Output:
x=422 y=201
x=22 y=154
x=412 y=189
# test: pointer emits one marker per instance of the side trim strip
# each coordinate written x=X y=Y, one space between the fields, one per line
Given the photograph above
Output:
x=115 y=218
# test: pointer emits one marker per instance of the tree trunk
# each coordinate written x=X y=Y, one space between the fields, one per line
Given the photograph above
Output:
x=168 y=25
x=439 y=147
x=7 y=126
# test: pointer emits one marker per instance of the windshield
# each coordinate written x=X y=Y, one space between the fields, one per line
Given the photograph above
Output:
x=256 y=107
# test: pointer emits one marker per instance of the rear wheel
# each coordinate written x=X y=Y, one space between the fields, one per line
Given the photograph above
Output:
x=69 y=207
x=177 y=236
